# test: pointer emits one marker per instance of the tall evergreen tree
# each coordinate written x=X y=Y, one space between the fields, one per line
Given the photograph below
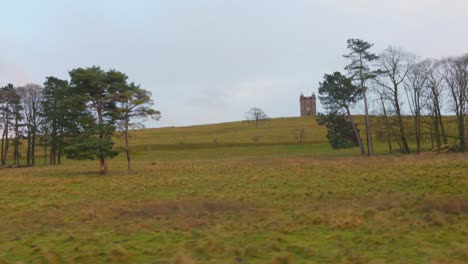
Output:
x=134 y=104
x=99 y=91
x=17 y=108
x=361 y=72
x=31 y=101
x=337 y=93
x=340 y=131
x=10 y=115
x=55 y=107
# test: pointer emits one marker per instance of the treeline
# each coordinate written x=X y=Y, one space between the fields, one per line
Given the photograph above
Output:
x=75 y=118
x=393 y=85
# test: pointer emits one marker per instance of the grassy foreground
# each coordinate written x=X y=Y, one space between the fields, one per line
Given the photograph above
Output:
x=218 y=194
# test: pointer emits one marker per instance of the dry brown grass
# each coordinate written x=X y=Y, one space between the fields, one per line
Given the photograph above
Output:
x=180 y=213
x=184 y=260
x=446 y=204
x=239 y=210
x=283 y=259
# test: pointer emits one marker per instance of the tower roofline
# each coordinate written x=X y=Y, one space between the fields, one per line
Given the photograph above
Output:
x=308 y=105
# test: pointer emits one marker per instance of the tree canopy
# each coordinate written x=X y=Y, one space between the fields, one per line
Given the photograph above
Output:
x=256 y=115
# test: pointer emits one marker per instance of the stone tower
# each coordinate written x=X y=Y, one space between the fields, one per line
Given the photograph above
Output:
x=308 y=105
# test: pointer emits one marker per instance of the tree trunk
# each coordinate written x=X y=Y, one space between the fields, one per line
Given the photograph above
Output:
x=59 y=154
x=442 y=129
x=52 y=152
x=127 y=150
x=60 y=147
x=461 y=132
x=45 y=145
x=3 y=144
x=432 y=136
x=417 y=130
x=436 y=131
x=16 y=143
x=7 y=144
x=103 y=167
x=28 y=151
x=53 y=143
x=459 y=112
x=401 y=126
x=388 y=133
x=387 y=126
x=33 y=136
x=7 y=148
x=33 y=147
x=356 y=132
x=370 y=144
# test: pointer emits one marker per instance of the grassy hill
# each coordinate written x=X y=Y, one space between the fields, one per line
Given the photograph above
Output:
x=271 y=138
x=234 y=139
x=233 y=193
x=242 y=139
x=276 y=131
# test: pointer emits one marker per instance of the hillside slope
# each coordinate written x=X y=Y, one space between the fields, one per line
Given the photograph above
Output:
x=277 y=136
x=235 y=139
x=277 y=130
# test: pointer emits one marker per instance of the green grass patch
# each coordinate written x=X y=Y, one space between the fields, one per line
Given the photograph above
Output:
x=235 y=200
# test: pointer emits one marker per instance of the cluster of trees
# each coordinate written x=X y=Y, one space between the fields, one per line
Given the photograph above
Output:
x=395 y=84
x=75 y=118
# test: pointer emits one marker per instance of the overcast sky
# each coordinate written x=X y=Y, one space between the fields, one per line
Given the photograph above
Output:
x=209 y=61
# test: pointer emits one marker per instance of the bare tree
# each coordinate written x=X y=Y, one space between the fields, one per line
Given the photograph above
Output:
x=436 y=97
x=299 y=135
x=455 y=72
x=382 y=101
x=256 y=115
x=415 y=88
x=31 y=95
x=396 y=65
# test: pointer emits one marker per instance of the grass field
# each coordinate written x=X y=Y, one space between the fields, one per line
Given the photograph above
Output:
x=233 y=193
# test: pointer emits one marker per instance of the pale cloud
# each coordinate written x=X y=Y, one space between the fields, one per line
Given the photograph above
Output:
x=210 y=61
